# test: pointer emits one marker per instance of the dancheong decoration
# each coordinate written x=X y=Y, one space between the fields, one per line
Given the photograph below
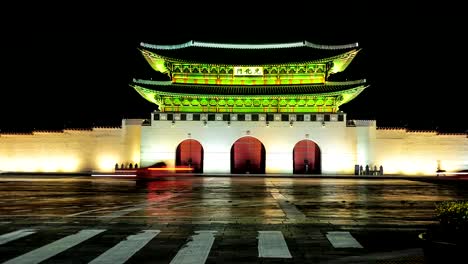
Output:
x=213 y=77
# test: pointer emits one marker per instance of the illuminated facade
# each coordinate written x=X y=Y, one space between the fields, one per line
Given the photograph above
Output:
x=231 y=108
x=267 y=108
x=270 y=108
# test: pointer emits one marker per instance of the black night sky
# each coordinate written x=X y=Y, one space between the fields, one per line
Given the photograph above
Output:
x=65 y=69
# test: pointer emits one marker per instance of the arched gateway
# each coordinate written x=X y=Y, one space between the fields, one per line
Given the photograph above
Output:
x=306 y=157
x=190 y=153
x=248 y=156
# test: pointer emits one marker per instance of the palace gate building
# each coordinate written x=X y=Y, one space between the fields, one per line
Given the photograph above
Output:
x=242 y=108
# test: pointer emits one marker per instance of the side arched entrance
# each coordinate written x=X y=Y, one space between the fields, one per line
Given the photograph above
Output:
x=248 y=156
x=306 y=158
x=190 y=153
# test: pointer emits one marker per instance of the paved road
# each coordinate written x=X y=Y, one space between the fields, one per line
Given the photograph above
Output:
x=215 y=219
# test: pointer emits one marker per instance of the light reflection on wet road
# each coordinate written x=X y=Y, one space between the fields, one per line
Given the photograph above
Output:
x=225 y=200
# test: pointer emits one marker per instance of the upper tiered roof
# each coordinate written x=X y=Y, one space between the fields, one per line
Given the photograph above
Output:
x=303 y=52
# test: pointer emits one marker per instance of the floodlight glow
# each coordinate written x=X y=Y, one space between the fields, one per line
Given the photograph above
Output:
x=106 y=162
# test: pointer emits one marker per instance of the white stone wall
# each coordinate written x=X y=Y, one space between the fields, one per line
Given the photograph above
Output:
x=338 y=155
x=342 y=147
x=397 y=150
x=71 y=150
x=419 y=153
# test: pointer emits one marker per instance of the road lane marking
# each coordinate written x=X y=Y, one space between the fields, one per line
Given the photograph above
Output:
x=54 y=248
x=138 y=207
x=5 y=238
x=383 y=257
x=23 y=210
x=271 y=244
x=121 y=213
x=342 y=239
x=289 y=209
x=91 y=211
x=197 y=250
x=124 y=250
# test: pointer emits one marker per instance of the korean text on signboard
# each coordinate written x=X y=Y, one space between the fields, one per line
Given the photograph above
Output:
x=254 y=71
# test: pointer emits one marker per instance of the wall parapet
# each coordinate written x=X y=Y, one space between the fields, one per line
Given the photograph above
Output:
x=363 y=123
x=415 y=131
x=391 y=128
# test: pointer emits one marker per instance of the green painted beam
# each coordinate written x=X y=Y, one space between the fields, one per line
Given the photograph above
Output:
x=177 y=102
x=170 y=65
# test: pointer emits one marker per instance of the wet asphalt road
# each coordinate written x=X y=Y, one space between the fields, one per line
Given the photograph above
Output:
x=234 y=212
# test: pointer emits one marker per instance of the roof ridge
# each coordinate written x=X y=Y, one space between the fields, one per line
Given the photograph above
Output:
x=201 y=44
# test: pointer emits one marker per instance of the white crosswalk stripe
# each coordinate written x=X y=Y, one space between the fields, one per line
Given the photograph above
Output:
x=342 y=239
x=271 y=244
x=197 y=250
x=15 y=235
x=54 y=248
x=127 y=248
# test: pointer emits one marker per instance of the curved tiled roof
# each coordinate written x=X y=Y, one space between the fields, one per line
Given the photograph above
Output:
x=168 y=86
x=250 y=54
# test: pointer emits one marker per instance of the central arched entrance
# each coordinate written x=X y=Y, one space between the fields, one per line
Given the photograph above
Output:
x=190 y=153
x=306 y=158
x=248 y=156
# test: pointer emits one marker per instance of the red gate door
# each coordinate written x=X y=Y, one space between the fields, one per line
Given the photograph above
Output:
x=190 y=153
x=306 y=158
x=248 y=156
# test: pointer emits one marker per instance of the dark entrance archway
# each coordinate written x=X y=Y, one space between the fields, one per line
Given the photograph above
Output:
x=248 y=156
x=306 y=158
x=190 y=153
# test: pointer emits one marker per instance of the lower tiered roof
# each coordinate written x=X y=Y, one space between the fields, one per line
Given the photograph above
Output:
x=177 y=97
